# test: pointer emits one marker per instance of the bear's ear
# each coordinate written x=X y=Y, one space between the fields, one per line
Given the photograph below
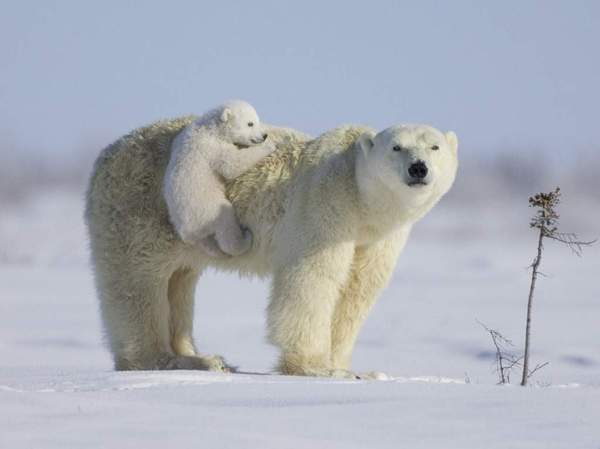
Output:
x=365 y=142
x=452 y=140
x=226 y=115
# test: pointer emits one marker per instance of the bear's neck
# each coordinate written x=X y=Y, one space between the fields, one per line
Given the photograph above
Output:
x=382 y=211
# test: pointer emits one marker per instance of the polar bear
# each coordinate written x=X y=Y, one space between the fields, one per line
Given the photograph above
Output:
x=329 y=218
x=219 y=146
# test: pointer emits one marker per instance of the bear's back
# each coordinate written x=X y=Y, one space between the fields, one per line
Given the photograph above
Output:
x=259 y=195
x=125 y=189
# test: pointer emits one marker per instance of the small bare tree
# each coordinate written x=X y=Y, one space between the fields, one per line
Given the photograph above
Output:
x=545 y=220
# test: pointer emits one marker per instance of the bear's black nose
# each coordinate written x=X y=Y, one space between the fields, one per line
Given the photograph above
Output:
x=418 y=170
x=265 y=135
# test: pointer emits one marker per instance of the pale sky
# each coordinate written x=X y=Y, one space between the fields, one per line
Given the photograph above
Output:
x=506 y=76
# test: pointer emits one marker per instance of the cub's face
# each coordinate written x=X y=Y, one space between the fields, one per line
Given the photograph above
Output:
x=417 y=162
x=242 y=125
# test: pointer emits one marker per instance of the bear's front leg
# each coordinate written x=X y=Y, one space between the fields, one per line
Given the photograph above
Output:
x=372 y=268
x=304 y=293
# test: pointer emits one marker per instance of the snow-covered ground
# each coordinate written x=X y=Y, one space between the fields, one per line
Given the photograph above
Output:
x=465 y=262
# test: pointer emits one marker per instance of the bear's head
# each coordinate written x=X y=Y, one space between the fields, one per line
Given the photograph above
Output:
x=414 y=164
x=240 y=124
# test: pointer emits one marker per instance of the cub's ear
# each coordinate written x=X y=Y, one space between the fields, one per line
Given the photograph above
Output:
x=452 y=140
x=226 y=114
x=365 y=142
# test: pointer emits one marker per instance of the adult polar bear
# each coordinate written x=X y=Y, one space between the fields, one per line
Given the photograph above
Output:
x=329 y=218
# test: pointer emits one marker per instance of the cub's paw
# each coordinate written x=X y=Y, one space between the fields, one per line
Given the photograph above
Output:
x=210 y=246
x=246 y=242
x=236 y=246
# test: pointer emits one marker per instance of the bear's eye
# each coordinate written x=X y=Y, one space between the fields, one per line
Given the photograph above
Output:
x=435 y=147
x=250 y=124
x=397 y=148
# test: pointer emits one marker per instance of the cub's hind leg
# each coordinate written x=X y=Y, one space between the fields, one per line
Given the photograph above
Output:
x=231 y=237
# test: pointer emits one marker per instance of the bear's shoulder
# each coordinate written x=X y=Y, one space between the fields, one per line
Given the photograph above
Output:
x=337 y=141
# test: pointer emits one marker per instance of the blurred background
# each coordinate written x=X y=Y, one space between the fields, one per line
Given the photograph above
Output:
x=518 y=81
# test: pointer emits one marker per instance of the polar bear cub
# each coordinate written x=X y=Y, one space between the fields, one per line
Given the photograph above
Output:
x=220 y=145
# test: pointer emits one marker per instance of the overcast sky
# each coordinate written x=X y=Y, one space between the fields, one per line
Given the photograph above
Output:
x=506 y=76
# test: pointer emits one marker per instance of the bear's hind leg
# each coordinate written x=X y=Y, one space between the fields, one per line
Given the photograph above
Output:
x=135 y=312
x=182 y=285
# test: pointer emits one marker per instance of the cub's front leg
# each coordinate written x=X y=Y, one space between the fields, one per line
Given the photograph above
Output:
x=304 y=293
x=235 y=161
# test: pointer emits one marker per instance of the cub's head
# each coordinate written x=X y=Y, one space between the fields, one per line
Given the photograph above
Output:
x=417 y=163
x=240 y=124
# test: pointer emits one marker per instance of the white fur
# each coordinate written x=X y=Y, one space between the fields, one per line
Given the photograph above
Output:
x=329 y=218
x=219 y=146
x=351 y=215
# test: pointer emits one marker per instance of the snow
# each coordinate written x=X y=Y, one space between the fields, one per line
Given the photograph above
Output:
x=57 y=388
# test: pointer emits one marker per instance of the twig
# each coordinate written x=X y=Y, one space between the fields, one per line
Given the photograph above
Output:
x=505 y=361
x=537 y=367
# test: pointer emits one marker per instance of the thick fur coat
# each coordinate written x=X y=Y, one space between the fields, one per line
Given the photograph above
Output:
x=329 y=218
